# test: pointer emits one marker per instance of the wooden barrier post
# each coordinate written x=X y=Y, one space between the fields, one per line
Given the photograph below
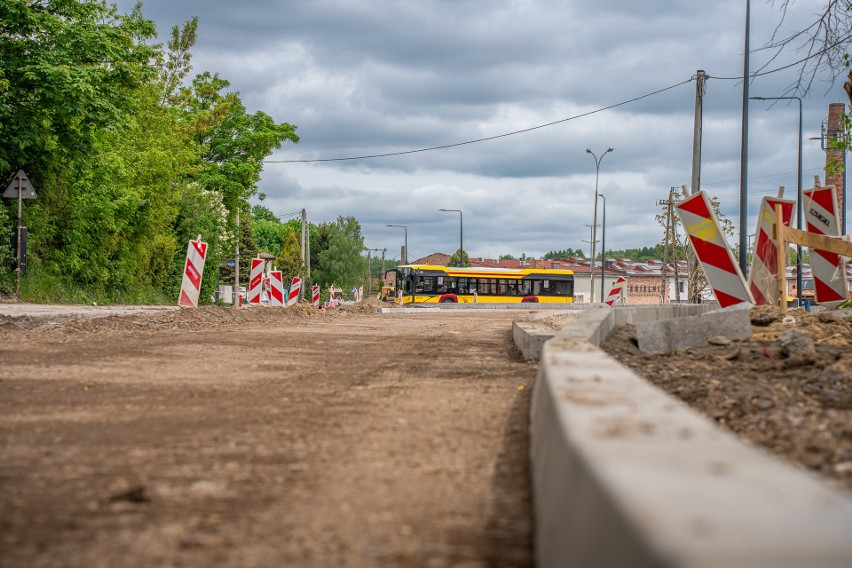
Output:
x=781 y=256
x=784 y=235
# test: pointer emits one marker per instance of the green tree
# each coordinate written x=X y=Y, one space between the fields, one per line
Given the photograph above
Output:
x=68 y=70
x=232 y=143
x=459 y=259
x=340 y=262
x=269 y=231
x=289 y=260
x=643 y=254
x=7 y=256
x=564 y=254
x=248 y=247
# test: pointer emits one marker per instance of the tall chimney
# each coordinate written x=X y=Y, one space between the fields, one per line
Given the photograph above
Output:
x=835 y=129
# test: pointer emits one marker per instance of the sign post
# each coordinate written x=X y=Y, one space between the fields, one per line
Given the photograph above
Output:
x=23 y=189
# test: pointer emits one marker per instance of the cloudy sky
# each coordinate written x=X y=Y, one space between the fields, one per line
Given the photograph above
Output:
x=360 y=78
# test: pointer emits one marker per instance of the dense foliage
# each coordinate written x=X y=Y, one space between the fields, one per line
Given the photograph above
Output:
x=130 y=158
x=564 y=254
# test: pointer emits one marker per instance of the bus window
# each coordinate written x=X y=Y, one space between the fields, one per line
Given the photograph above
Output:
x=488 y=286
x=503 y=287
x=561 y=288
x=536 y=288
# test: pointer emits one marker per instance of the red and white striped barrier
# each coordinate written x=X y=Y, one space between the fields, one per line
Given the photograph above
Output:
x=190 y=286
x=829 y=269
x=295 y=288
x=360 y=293
x=712 y=250
x=615 y=293
x=763 y=276
x=255 y=281
x=276 y=288
x=315 y=295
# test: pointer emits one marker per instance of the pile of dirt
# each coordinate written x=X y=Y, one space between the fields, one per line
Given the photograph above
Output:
x=788 y=388
x=204 y=318
x=558 y=321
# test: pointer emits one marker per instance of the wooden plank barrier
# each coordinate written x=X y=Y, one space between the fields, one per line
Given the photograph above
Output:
x=785 y=235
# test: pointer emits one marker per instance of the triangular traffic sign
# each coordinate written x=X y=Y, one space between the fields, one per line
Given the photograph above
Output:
x=20 y=181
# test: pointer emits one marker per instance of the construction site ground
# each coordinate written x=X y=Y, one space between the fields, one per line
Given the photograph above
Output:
x=264 y=437
x=342 y=437
x=791 y=395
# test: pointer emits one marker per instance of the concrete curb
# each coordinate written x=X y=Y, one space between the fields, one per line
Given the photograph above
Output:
x=624 y=475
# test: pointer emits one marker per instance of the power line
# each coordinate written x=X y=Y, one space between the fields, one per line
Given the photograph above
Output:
x=784 y=67
x=758 y=177
x=555 y=122
x=487 y=138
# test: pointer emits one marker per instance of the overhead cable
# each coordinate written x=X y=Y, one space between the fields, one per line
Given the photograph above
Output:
x=485 y=139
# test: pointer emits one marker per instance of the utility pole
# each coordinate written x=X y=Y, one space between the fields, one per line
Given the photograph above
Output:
x=700 y=77
x=744 y=148
x=306 y=244
x=674 y=254
x=237 y=263
x=591 y=261
x=697 y=132
x=669 y=244
x=370 y=269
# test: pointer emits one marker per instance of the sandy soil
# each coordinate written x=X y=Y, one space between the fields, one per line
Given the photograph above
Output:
x=788 y=388
x=264 y=437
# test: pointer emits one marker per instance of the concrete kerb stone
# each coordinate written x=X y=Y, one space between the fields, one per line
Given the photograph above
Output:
x=671 y=335
x=530 y=335
x=624 y=475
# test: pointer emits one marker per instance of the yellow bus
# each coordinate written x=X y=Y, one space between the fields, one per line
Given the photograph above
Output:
x=430 y=284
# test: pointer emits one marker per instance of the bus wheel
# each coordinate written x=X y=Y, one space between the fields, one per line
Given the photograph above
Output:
x=447 y=301
x=529 y=301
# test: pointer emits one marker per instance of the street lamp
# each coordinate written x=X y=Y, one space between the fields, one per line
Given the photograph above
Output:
x=603 y=246
x=404 y=260
x=798 y=194
x=595 y=217
x=461 y=234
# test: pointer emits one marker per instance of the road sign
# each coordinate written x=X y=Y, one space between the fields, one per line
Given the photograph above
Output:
x=276 y=288
x=20 y=181
x=190 y=288
x=763 y=276
x=713 y=252
x=828 y=268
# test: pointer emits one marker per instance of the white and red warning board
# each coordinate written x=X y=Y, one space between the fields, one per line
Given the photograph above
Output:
x=828 y=268
x=763 y=276
x=315 y=295
x=295 y=289
x=615 y=293
x=712 y=250
x=255 y=280
x=190 y=286
x=276 y=288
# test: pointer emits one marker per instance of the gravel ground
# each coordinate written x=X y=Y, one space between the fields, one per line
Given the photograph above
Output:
x=264 y=437
x=788 y=388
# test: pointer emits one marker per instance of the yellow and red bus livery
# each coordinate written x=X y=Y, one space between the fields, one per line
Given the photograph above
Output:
x=430 y=284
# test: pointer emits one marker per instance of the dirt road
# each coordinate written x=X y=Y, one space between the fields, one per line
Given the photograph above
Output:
x=247 y=438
